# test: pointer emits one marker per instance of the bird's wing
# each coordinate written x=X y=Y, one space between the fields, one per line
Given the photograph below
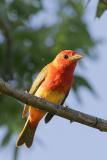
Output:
x=37 y=82
x=49 y=116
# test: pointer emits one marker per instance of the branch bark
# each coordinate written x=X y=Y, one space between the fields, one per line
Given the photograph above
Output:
x=59 y=110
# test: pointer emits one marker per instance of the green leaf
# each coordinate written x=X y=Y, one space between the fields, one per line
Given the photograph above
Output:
x=6 y=138
x=101 y=8
x=80 y=81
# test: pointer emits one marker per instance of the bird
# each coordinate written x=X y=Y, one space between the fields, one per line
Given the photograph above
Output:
x=52 y=84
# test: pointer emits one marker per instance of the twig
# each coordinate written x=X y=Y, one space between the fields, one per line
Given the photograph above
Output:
x=59 y=110
x=4 y=25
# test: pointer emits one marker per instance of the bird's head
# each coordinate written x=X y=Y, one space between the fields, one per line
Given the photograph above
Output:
x=67 y=58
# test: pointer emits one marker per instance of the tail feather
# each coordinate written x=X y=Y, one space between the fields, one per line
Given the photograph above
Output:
x=48 y=117
x=27 y=134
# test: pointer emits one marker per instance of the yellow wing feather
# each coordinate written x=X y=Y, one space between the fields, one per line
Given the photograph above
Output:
x=37 y=82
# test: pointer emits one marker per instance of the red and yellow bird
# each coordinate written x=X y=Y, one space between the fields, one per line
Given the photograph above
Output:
x=53 y=84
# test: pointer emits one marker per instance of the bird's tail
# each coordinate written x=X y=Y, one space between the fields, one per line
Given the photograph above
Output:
x=27 y=134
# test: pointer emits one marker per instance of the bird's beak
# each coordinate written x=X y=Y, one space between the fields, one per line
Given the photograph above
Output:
x=76 y=57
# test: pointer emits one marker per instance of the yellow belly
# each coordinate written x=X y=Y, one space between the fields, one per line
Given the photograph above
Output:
x=52 y=96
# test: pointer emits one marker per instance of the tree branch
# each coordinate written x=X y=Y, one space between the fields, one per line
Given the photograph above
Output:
x=59 y=110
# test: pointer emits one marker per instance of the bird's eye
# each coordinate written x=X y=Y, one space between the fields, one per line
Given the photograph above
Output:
x=66 y=56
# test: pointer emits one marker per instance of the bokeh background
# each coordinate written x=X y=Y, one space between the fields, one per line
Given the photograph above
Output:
x=32 y=32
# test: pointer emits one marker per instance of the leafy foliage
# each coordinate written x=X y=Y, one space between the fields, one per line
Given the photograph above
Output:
x=25 y=49
x=101 y=8
x=80 y=82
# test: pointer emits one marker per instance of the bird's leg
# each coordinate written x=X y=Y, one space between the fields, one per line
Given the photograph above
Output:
x=66 y=108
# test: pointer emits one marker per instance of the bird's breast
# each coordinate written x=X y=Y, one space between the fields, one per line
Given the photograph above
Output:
x=59 y=80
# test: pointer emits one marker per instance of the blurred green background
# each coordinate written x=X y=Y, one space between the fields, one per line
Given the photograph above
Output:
x=25 y=47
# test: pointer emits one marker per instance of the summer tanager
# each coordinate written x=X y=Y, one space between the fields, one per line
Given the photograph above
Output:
x=53 y=84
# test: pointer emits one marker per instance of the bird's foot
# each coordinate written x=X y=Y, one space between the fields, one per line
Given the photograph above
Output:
x=66 y=107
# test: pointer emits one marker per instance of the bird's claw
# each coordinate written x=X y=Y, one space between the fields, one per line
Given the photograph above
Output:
x=66 y=107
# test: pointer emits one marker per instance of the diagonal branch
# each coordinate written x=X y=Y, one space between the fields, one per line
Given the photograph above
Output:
x=59 y=110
